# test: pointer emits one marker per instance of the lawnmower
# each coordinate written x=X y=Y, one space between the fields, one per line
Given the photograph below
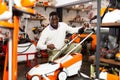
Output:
x=61 y=68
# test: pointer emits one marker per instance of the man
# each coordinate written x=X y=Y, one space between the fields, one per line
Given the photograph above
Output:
x=53 y=36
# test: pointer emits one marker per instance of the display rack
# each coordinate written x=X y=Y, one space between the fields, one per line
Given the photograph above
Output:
x=72 y=21
x=115 y=25
x=104 y=60
x=97 y=57
x=107 y=61
x=40 y=19
x=66 y=8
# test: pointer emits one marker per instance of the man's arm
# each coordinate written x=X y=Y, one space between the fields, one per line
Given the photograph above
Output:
x=79 y=30
x=41 y=42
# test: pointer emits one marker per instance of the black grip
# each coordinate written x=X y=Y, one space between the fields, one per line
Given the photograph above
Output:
x=81 y=30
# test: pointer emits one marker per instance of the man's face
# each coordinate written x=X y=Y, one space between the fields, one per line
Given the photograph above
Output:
x=54 y=21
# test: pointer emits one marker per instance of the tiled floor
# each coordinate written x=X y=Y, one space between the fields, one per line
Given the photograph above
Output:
x=23 y=69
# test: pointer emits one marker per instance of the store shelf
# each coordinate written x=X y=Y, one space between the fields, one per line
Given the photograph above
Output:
x=77 y=9
x=110 y=25
x=36 y=19
x=108 y=61
x=93 y=24
x=63 y=3
x=67 y=8
x=39 y=19
x=72 y=21
x=39 y=5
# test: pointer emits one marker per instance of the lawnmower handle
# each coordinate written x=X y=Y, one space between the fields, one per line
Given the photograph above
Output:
x=76 y=46
x=65 y=47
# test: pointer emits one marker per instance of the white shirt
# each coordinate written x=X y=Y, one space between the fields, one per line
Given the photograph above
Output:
x=55 y=36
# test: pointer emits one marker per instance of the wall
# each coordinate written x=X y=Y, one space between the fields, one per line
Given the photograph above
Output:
x=67 y=15
x=36 y=23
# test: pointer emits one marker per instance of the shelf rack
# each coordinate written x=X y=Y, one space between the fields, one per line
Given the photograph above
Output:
x=108 y=61
x=67 y=8
x=115 y=25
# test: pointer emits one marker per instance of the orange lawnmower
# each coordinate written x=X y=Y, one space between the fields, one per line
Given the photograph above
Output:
x=61 y=68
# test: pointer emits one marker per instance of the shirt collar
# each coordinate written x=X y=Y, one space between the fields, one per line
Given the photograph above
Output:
x=52 y=27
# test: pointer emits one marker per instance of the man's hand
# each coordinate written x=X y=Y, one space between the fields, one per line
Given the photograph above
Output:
x=81 y=30
x=86 y=25
x=51 y=46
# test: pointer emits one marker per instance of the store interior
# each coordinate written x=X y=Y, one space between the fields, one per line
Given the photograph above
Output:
x=21 y=25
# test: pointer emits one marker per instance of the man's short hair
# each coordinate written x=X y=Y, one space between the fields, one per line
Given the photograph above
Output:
x=53 y=13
